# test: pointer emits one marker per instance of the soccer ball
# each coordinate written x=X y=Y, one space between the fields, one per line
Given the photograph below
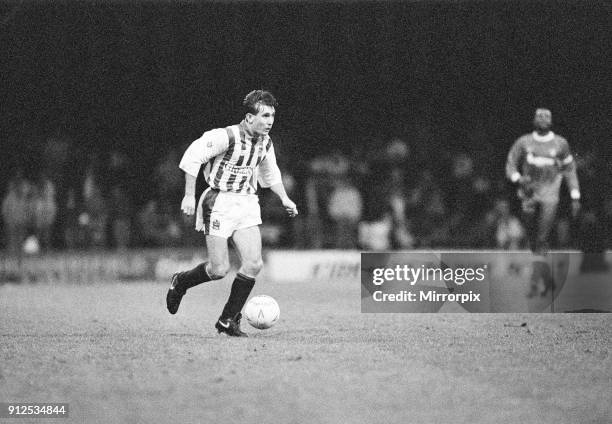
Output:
x=261 y=311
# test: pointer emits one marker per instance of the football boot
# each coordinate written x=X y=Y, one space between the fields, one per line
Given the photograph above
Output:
x=174 y=296
x=230 y=326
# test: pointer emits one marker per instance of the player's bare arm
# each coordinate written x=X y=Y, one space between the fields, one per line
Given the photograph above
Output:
x=288 y=204
x=189 y=202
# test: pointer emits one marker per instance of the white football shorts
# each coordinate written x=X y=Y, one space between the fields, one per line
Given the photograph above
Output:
x=220 y=213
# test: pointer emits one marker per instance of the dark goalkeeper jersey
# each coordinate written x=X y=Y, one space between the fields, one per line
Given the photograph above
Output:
x=544 y=160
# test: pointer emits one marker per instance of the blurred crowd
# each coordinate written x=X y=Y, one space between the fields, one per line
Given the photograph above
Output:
x=391 y=195
x=373 y=194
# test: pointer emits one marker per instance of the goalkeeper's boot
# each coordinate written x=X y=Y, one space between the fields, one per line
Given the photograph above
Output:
x=175 y=295
x=230 y=326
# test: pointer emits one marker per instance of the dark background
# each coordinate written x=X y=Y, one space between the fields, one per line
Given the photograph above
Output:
x=148 y=74
x=148 y=77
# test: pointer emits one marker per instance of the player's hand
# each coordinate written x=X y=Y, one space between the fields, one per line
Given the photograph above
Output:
x=290 y=207
x=524 y=185
x=188 y=205
x=524 y=180
x=575 y=208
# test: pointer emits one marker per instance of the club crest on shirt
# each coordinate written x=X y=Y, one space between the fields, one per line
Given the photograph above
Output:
x=216 y=224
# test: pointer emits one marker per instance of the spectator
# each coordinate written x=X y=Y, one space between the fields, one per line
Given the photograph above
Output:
x=376 y=226
x=17 y=213
x=119 y=218
x=56 y=167
x=461 y=199
x=376 y=235
x=427 y=210
x=72 y=232
x=401 y=236
x=44 y=211
x=156 y=229
x=149 y=224
x=94 y=217
x=319 y=186
x=397 y=151
x=508 y=230
x=168 y=182
x=344 y=209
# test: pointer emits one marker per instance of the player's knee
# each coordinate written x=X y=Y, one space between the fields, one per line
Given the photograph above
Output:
x=252 y=267
x=218 y=271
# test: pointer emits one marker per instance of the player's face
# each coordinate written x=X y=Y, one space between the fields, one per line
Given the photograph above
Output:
x=261 y=123
x=542 y=119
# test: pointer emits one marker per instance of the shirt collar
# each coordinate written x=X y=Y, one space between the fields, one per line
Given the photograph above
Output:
x=548 y=137
x=247 y=134
x=245 y=128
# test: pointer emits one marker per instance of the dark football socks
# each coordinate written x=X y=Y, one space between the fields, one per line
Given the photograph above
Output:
x=529 y=221
x=193 y=277
x=241 y=288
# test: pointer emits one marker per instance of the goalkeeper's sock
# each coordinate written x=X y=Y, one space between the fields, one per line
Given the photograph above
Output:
x=241 y=288
x=530 y=223
x=193 y=277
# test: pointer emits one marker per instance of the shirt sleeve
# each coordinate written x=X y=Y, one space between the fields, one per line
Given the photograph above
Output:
x=568 y=168
x=269 y=173
x=515 y=156
x=565 y=155
x=211 y=144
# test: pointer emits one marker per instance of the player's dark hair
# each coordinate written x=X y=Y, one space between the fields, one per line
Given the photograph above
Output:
x=255 y=99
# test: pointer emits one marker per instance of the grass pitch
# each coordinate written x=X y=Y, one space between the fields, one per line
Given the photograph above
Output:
x=115 y=355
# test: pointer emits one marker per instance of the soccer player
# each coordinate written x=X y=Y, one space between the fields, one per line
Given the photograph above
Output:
x=235 y=159
x=537 y=164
